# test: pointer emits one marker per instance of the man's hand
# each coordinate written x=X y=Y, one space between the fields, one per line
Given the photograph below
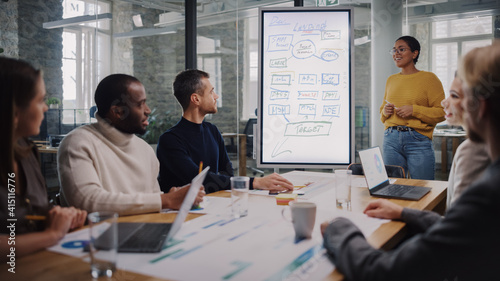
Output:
x=383 y=209
x=273 y=182
x=173 y=199
x=405 y=111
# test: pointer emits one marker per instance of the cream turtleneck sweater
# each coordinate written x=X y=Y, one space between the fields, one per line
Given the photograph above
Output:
x=102 y=169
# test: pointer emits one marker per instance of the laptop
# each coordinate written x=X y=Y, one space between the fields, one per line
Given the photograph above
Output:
x=150 y=237
x=378 y=181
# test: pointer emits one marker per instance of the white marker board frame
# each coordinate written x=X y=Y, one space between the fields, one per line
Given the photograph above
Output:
x=306 y=88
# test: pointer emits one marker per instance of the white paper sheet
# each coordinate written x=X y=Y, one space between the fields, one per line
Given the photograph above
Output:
x=220 y=247
x=260 y=246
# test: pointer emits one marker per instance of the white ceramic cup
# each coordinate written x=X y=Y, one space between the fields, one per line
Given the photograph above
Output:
x=303 y=218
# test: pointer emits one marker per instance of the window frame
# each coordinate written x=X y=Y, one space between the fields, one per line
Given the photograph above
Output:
x=459 y=41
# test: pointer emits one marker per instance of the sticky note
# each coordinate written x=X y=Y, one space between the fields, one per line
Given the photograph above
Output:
x=283 y=199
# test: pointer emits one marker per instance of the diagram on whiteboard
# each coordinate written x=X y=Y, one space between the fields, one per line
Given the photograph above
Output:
x=305 y=87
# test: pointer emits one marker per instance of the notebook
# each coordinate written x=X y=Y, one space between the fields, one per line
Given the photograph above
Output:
x=378 y=181
x=150 y=237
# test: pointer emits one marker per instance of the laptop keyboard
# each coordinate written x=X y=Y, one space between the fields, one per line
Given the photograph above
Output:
x=395 y=190
x=148 y=238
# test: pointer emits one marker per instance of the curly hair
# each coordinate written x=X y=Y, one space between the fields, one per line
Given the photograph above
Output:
x=413 y=44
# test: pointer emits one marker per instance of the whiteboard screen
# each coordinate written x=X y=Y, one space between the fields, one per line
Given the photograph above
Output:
x=305 y=98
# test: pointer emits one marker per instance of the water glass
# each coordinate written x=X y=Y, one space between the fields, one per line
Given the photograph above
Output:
x=239 y=196
x=103 y=243
x=343 y=188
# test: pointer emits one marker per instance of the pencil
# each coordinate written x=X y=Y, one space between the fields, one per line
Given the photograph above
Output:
x=198 y=207
x=35 y=217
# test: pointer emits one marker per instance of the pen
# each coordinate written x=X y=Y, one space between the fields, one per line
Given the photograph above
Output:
x=391 y=103
x=201 y=167
x=35 y=217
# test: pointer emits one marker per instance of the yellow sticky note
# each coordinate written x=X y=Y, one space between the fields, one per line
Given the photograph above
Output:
x=283 y=199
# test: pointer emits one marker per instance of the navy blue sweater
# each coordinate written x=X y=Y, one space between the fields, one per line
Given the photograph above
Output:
x=180 y=150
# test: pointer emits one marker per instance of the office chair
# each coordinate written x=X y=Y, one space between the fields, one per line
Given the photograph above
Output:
x=249 y=133
x=232 y=149
x=92 y=111
x=393 y=171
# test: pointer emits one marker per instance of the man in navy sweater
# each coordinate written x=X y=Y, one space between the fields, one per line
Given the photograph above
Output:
x=192 y=140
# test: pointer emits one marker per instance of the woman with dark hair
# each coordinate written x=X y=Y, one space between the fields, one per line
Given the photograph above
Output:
x=23 y=195
x=410 y=111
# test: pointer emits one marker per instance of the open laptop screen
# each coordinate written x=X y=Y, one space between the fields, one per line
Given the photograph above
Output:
x=188 y=202
x=373 y=167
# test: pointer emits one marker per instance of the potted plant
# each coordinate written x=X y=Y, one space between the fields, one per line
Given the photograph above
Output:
x=158 y=124
x=53 y=102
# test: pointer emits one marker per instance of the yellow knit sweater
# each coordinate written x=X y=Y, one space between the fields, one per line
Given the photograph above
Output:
x=424 y=91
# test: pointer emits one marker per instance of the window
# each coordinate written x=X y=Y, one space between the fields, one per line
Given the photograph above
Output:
x=451 y=39
x=462 y=27
x=209 y=60
x=445 y=63
x=86 y=53
x=251 y=87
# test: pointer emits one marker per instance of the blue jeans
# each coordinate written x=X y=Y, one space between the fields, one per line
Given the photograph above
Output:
x=410 y=150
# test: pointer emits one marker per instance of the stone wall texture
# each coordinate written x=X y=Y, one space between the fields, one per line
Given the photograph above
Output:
x=42 y=47
x=8 y=29
x=22 y=36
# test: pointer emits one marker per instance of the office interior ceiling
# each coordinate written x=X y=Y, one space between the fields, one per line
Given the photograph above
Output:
x=214 y=11
x=219 y=5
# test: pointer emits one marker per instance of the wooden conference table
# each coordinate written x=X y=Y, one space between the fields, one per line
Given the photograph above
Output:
x=44 y=147
x=50 y=266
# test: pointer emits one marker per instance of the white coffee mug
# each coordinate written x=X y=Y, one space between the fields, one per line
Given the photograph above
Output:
x=303 y=218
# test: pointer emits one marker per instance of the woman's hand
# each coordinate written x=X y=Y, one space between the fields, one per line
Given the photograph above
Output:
x=405 y=111
x=61 y=220
x=389 y=109
x=79 y=218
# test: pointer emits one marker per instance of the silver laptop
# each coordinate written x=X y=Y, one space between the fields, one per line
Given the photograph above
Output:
x=378 y=181
x=139 y=237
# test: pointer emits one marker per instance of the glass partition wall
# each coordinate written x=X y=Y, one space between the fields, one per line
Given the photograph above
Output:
x=79 y=42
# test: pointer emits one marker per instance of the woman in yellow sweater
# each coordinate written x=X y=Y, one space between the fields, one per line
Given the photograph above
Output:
x=410 y=111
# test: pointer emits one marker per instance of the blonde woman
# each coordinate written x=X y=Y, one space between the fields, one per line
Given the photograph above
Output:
x=471 y=158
